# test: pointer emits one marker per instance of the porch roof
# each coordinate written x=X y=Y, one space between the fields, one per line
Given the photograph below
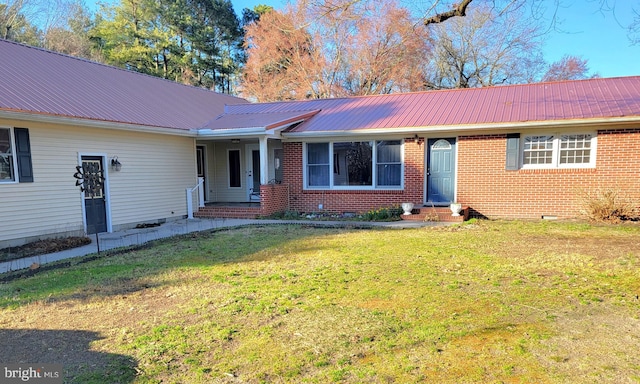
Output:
x=531 y=105
x=261 y=120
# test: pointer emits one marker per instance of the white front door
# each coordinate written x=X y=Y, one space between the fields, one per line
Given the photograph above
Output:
x=252 y=162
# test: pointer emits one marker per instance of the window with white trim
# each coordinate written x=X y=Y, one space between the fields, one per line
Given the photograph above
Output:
x=572 y=150
x=354 y=165
x=7 y=163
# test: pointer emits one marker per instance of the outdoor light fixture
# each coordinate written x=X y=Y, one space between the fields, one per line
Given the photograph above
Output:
x=115 y=164
x=235 y=141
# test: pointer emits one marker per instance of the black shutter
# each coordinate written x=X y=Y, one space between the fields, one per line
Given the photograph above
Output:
x=513 y=151
x=23 y=155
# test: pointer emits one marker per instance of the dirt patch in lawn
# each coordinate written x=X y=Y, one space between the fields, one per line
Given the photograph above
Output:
x=42 y=247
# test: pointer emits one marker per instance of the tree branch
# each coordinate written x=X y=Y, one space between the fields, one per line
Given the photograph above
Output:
x=458 y=10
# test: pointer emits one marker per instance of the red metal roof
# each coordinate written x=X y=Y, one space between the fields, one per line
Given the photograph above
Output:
x=538 y=102
x=39 y=81
x=266 y=120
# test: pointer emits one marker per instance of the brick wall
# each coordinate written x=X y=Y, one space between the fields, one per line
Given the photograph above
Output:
x=484 y=184
x=353 y=201
x=491 y=191
x=274 y=198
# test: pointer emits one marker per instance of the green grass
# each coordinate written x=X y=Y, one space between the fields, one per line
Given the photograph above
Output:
x=480 y=302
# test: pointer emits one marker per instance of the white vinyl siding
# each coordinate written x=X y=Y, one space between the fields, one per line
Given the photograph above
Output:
x=156 y=170
x=218 y=169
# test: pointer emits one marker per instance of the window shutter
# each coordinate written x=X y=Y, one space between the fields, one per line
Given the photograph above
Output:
x=513 y=151
x=23 y=155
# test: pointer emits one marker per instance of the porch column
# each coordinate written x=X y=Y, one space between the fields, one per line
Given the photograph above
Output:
x=264 y=161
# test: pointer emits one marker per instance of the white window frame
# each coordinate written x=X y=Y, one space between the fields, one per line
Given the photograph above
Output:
x=14 y=161
x=374 y=163
x=555 y=163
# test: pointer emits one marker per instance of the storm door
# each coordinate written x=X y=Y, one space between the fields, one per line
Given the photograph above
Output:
x=253 y=172
x=201 y=161
x=441 y=171
x=95 y=207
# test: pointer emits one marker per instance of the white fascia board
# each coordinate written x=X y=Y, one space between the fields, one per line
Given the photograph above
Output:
x=251 y=131
x=470 y=128
x=238 y=132
x=89 y=123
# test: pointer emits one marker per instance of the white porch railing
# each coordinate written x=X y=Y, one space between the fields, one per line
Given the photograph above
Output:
x=200 y=188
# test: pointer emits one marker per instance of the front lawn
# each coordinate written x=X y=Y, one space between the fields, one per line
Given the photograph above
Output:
x=543 y=302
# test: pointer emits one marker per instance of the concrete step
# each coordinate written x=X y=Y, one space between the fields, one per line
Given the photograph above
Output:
x=437 y=214
x=228 y=212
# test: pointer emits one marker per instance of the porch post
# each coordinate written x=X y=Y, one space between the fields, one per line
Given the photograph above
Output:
x=264 y=161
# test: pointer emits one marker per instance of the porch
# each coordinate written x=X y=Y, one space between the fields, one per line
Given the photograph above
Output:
x=273 y=198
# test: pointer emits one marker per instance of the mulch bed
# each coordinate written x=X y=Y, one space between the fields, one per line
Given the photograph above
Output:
x=42 y=247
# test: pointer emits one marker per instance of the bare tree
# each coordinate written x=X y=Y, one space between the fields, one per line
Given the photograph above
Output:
x=36 y=22
x=282 y=63
x=371 y=48
x=458 y=9
x=568 y=68
x=634 y=28
x=15 y=23
x=358 y=48
x=485 y=49
x=70 y=35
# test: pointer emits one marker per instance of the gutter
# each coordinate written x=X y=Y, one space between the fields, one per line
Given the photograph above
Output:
x=84 y=122
x=473 y=128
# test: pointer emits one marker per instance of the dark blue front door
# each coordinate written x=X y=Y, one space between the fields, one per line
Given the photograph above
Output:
x=441 y=171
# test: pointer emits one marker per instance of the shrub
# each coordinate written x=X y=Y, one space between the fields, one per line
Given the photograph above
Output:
x=608 y=205
x=284 y=215
x=383 y=214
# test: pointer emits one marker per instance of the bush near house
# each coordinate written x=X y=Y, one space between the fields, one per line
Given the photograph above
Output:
x=609 y=206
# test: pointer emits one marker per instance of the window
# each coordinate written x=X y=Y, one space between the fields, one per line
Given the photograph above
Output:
x=389 y=163
x=575 y=149
x=15 y=161
x=354 y=165
x=354 y=160
x=234 y=168
x=318 y=165
x=7 y=164
x=538 y=150
x=559 y=151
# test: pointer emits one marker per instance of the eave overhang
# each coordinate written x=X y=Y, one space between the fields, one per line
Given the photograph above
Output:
x=590 y=124
x=253 y=124
x=90 y=123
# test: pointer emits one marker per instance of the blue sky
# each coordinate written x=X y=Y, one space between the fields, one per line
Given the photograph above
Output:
x=588 y=31
x=598 y=36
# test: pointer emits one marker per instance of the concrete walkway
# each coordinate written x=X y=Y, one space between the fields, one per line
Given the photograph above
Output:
x=133 y=237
